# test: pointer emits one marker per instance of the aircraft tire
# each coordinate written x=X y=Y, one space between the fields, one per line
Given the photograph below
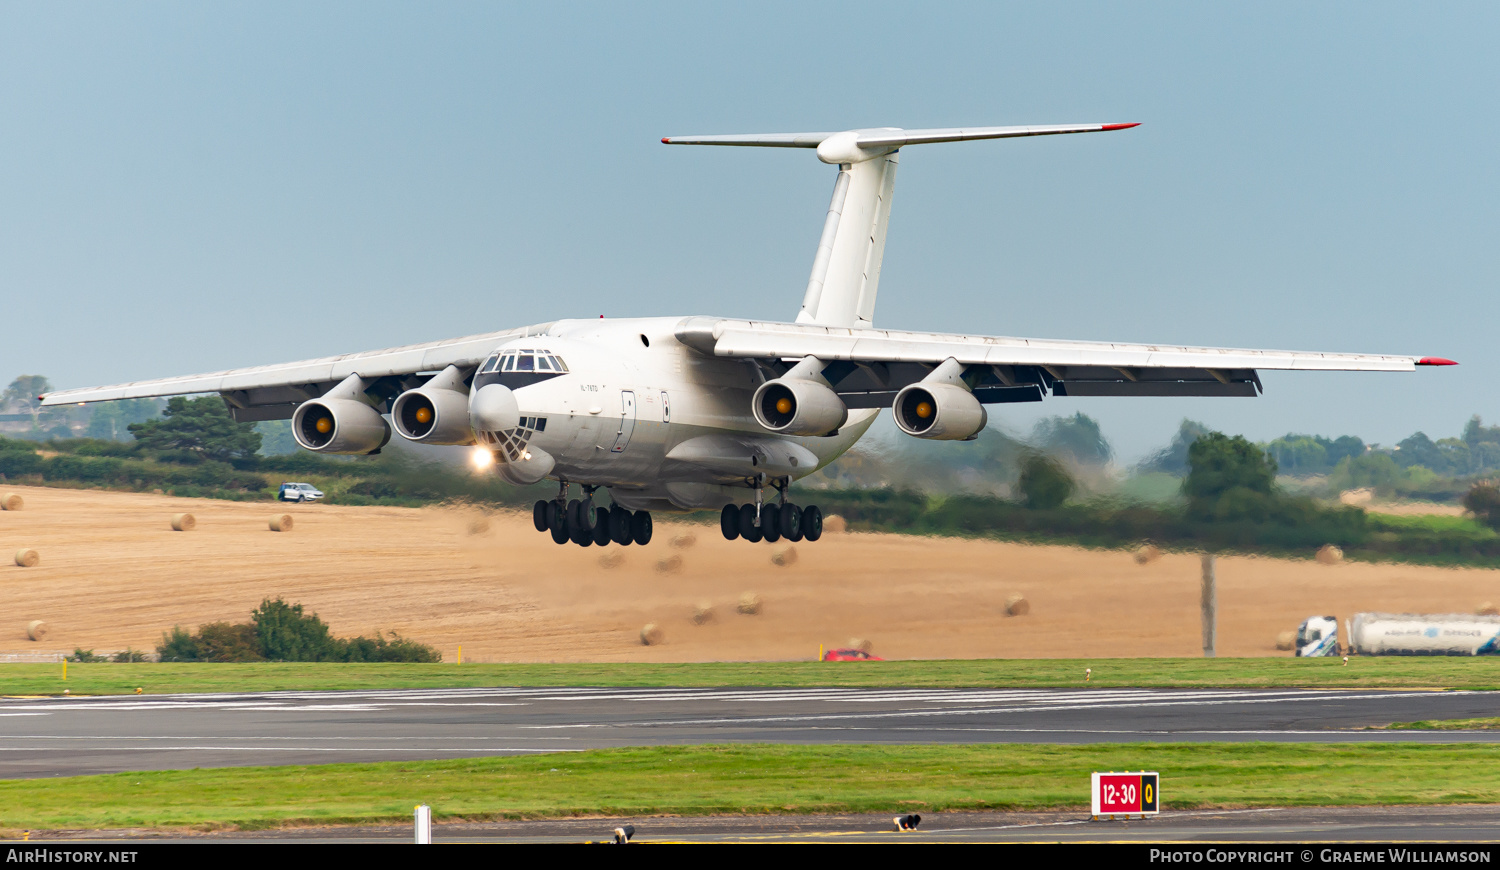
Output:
x=640 y=527
x=791 y=522
x=729 y=522
x=557 y=516
x=770 y=523
x=559 y=531
x=539 y=516
x=601 y=527
x=748 y=529
x=812 y=522
x=619 y=526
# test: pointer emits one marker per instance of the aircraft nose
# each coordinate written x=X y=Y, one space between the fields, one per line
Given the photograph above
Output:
x=493 y=408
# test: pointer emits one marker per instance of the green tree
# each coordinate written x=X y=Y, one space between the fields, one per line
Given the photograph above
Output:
x=1044 y=483
x=286 y=634
x=1077 y=436
x=23 y=393
x=1373 y=470
x=110 y=421
x=276 y=438
x=202 y=426
x=1483 y=501
x=1229 y=478
x=1173 y=459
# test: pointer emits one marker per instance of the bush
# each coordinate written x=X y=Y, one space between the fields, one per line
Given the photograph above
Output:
x=85 y=655
x=286 y=634
x=1044 y=483
x=1483 y=501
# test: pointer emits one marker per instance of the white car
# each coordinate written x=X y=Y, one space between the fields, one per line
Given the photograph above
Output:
x=299 y=492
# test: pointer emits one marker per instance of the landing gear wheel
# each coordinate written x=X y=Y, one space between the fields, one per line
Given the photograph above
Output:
x=729 y=522
x=560 y=529
x=640 y=527
x=539 y=516
x=748 y=529
x=770 y=523
x=557 y=517
x=601 y=526
x=619 y=525
x=812 y=523
x=791 y=522
x=580 y=530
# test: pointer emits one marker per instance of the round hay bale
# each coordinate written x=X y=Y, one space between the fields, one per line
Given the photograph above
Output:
x=1328 y=554
x=612 y=560
x=1017 y=605
x=1146 y=554
x=835 y=525
x=784 y=557
x=683 y=542
x=1286 y=640
x=703 y=614
x=281 y=523
x=27 y=557
x=183 y=523
x=749 y=604
x=36 y=630
x=651 y=635
x=862 y=644
x=11 y=502
x=1356 y=496
x=1488 y=609
x=669 y=565
x=479 y=526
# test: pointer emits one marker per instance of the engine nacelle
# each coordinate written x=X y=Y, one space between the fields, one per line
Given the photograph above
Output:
x=339 y=426
x=942 y=412
x=793 y=406
x=493 y=408
x=432 y=416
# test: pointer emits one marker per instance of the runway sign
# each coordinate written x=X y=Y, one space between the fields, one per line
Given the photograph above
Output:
x=1126 y=794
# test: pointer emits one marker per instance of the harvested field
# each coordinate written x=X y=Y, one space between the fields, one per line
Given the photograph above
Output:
x=115 y=575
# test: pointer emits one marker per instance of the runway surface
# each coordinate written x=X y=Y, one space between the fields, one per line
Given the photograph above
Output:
x=1456 y=824
x=68 y=736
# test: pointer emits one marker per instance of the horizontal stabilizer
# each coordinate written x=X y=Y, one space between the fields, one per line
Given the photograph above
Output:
x=892 y=137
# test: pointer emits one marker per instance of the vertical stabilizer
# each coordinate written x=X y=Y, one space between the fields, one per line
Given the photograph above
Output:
x=846 y=269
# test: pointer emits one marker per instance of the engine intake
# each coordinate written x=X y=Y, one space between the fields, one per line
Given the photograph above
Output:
x=432 y=416
x=793 y=406
x=339 y=426
x=941 y=412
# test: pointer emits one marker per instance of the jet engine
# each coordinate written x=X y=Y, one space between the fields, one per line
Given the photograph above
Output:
x=794 y=406
x=940 y=411
x=339 y=426
x=436 y=412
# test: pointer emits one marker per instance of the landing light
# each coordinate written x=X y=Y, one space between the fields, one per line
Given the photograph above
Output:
x=482 y=458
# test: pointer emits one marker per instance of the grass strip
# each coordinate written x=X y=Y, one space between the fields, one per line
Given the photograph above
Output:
x=1490 y=723
x=1370 y=673
x=706 y=780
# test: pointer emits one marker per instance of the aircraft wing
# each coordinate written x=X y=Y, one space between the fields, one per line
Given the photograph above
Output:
x=273 y=392
x=867 y=366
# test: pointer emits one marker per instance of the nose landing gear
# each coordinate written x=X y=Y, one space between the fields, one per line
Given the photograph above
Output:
x=585 y=525
x=771 y=522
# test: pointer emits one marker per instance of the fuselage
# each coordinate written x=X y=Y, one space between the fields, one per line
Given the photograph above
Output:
x=622 y=404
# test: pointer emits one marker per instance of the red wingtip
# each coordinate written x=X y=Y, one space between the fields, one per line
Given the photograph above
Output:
x=666 y=140
x=1435 y=361
x=1120 y=126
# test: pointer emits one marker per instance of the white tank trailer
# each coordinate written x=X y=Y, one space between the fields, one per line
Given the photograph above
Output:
x=1421 y=634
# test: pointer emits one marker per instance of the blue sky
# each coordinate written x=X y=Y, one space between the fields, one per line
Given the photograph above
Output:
x=187 y=187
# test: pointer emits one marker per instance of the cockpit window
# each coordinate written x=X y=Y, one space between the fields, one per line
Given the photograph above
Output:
x=559 y=364
x=526 y=364
x=490 y=365
x=509 y=363
x=543 y=364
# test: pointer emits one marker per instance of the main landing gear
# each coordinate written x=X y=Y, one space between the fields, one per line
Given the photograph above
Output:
x=771 y=522
x=585 y=525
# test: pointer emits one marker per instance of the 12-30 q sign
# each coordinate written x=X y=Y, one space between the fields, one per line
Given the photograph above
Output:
x=1126 y=794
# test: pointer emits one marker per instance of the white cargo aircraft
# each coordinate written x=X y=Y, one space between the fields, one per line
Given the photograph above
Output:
x=688 y=413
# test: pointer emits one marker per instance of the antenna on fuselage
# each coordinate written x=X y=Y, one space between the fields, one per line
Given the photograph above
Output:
x=846 y=270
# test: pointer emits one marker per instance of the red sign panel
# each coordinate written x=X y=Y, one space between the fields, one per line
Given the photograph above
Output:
x=1125 y=794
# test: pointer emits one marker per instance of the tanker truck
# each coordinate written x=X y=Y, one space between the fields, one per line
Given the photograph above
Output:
x=1420 y=634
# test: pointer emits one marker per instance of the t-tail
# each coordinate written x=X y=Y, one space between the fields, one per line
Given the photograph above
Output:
x=846 y=270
